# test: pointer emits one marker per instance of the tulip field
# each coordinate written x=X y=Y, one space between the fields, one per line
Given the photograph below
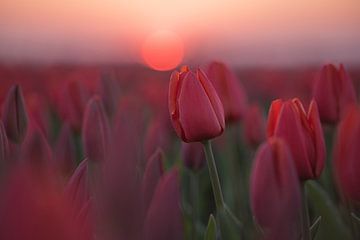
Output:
x=203 y=152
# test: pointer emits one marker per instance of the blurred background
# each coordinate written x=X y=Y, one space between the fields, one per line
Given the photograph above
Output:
x=241 y=33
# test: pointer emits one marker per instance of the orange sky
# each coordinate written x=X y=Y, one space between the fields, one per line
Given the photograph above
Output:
x=238 y=31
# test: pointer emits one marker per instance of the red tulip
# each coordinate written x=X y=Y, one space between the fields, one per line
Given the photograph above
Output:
x=346 y=155
x=195 y=108
x=302 y=132
x=153 y=172
x=4 y=146
x=254 y=126
x=164 y=217
x=95 y=132
x=14 y=115
x=33 y=207
x=334 y=92
x=275 y=191
x=230 y=91
x=193 y=155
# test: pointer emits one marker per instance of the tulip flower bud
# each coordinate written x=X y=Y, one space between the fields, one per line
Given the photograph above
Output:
x=346 y=155
x=302 y=132
x=254 y=126
x=196 y=111
x=4 y=146
x=229 y=89
x=14 y=115
x=153 y=172
x=275 y=191
x=95 y=132
x=65 y=152
x=164 y=218
x=334 y=92
x=193 y=155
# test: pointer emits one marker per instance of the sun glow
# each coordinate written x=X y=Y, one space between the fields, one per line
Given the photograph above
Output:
x=163 y=50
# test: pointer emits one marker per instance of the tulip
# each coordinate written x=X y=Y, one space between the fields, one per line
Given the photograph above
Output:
x=302 y=132
x=65 y=152
x=193 y=155
x=157 y=135
x=275 y=191
x=33 y=207
x=14 y=115
x=254 y=126
x=230 y=90
x=334 y=92
x=95 y=132
x=196 y=111
x=164 y=217
x=346 y=155
x=4 y=146
x=153 y=172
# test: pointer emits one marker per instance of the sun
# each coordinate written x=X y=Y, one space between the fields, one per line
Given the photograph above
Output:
x=162 y=50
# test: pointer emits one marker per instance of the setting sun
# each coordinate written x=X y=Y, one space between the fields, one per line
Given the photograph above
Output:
x=162 y=50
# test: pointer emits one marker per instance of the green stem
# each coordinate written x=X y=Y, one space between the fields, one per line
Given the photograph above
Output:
x=214 y=177
x=305 y=216
x=352 y=220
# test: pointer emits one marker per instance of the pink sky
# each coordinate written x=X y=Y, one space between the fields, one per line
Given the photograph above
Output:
x=242 y=32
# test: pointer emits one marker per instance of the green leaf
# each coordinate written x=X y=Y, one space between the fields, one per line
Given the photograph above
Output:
x=210 y=233
x=355 y=217
x=332 y=224
x=315 y=227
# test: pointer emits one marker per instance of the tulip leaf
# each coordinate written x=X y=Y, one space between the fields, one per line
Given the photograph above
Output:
x=332 y=225
x=210 y=233
x=315 y=227
x=355 y=217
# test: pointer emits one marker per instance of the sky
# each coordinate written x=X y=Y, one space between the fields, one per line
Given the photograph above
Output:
x=240 y=32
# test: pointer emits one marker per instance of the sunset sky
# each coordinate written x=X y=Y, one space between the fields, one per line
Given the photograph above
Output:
x=241 y=32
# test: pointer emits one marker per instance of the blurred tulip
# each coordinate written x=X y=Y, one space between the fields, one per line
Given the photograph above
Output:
x=4 y=146
x=196 y=111
x=14 y=115
x=346 y=155
x=302 y=132
x=36 y=150
x=254 y=126
x=158 y=135
x=110 y=93
x=193 y=155
x=95 y=131
x=65 y=152
x=33 y=207
x=275 y=191
x=77 y=189
x=229 y=89
x=153 y=172
x=164 y=217
x=334 y=92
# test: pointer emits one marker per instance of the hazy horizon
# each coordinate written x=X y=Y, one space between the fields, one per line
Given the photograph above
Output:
x=269 y=32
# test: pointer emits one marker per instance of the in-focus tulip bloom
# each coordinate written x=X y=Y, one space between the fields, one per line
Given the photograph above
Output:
x=196 y=111
x=229 y=89
x=14 y=115
x=164 y=217
x=193 y=155
x=95 y=132
x=333 y=92
x=254 y=126
x=346 y=155
x=302 y=132
x=275 y=191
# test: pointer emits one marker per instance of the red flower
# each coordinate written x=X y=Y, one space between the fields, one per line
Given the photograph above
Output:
x=275 y=191
x=334 y=92
x=254 y=126
x=14 y=115
x=346 y=155
x=230 y=91
x=302 y=132
x=195 y=108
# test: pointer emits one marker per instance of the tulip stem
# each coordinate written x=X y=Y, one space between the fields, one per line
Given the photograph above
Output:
x=214 y=177
x=305 y=216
